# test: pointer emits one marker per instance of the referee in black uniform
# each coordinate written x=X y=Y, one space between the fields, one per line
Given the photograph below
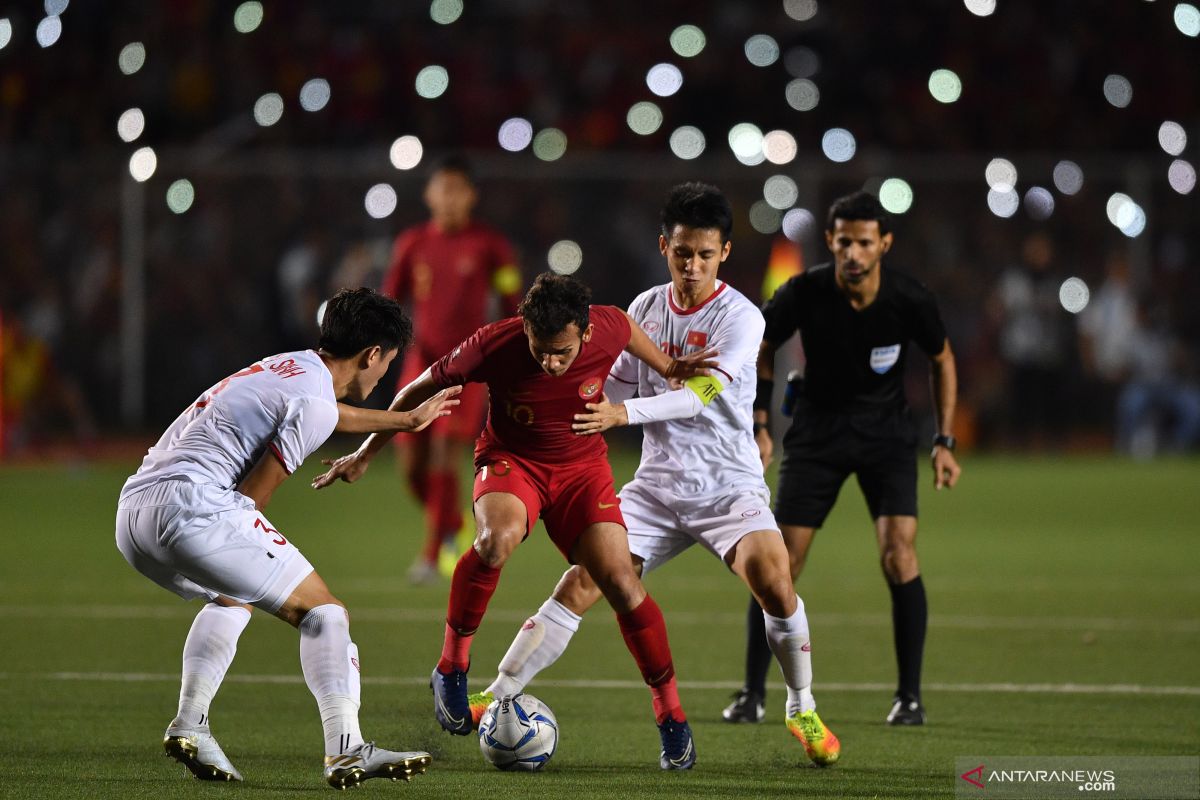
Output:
x=856 y=320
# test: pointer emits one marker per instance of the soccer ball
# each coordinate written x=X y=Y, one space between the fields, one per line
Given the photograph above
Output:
x=518 y=732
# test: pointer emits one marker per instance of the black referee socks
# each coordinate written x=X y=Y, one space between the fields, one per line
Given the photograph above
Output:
x=910 y=614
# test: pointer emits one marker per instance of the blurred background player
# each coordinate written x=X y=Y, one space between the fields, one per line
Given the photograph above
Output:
x=700 y=478
x=191 y=520
x=541 y=369
x=451 y=270
x=855 y=321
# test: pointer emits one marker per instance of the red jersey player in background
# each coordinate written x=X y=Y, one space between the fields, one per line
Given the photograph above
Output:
x=541 y=369
x=448 y=269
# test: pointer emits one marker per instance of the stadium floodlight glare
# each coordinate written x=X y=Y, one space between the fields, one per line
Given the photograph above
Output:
x=1116 y=207
x=1039 y=203
x=315 y=94
x=1073 y=295
x=1003 y=203
x=1118 y=91
x=688 y=41
x=515 y=134
x=55 y=8
x=780 y=192
x=798 y=223
x=687 y=142
x=751 y=161
x=443 y=12
x=380 y=201
x=664 y=79
x=765 y=219
x=801 y=62
x=132 y=57
x=1001 y=175
x=644 y=118
x=5 y=32
x=980 y=8
x=761 y=50
x=564 y=257
x=1172 y=138
x=142 y=164
x=406 y=152
x=1182 y=176
x=180 y=196
x=779 y=147
x=802 y=94
x=268 y=109
x=550 y=144
x=49 y=30
x=895 y=195
x=1068 y=177
x=248 y=16
x=131 y=124
x=838 y=145
x=432 y=81
x=746 y=140
x=800 y=10
x=1187 y=19
x=944 y=85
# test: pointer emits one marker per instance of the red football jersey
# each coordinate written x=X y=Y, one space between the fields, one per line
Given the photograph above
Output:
x=529 y=412
x=448 y=279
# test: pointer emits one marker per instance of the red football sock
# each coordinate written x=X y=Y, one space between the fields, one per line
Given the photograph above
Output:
x=471 y=588
x=645 y=635
x=449 y=512
x=441 y=494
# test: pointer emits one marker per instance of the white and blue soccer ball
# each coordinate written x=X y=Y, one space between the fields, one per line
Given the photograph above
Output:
x=518 y=732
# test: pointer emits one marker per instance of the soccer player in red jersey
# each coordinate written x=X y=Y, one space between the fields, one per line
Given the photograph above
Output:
x=541 y=369
x=448 y=269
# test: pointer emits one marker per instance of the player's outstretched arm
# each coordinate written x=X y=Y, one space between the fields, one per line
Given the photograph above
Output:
x=673 y=369
x=944 y=383
x=352 y=419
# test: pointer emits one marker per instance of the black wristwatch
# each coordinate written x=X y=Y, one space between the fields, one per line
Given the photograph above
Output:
x=948 y=442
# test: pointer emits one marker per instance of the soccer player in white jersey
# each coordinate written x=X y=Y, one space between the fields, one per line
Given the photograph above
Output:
x=700 y=479
x=191 y=520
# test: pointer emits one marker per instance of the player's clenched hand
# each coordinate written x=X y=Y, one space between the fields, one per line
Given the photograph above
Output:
x=437 y=406
x=602 y=416
x=766 y=446
x=347 y=468
x=691 y=365
x=945 y=468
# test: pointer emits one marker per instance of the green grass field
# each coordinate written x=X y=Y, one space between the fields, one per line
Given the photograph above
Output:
x=1065 y=620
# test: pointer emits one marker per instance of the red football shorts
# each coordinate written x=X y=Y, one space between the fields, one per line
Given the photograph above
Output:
x=466 y=419
x=568 y=497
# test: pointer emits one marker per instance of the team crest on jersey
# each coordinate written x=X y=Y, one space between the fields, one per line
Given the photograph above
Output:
x=884 y=358
x=650 y=326
x=590 y=388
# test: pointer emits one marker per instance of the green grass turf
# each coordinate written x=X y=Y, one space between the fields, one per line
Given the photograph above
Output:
x=1052 y=571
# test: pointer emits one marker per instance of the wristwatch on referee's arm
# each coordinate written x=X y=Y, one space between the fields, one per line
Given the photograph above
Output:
x=944 y=440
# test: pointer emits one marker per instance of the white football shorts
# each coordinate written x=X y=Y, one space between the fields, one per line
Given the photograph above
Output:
x=199 y=540
x=662 y=525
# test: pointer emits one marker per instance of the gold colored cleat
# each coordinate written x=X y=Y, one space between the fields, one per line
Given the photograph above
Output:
x=211 y=766
x=351 y=769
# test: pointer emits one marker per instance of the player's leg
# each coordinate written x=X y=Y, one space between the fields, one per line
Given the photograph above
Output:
x=330 y=662
x=417 y=454
x=444 y=502
x=760 y=559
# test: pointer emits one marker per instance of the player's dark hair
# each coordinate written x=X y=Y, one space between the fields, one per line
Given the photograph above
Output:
x=697 y=205
x=356 y=319
x=454 y=162
x=860 y=206
x=553 y=303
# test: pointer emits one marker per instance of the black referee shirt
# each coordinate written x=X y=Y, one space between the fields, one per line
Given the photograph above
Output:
x=855 y=359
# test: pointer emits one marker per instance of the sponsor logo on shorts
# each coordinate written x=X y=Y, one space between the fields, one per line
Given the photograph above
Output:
x=590 y=388
x=806 y=647
x=884 y=358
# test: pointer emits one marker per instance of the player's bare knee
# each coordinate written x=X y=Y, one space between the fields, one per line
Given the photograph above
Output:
x=576 y=590
x=899 y=562
x=495 y=544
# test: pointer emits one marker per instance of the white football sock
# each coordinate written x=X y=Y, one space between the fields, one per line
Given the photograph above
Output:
x=207 y=653
x=330 y=663
x=790 y=643
x=539 y=643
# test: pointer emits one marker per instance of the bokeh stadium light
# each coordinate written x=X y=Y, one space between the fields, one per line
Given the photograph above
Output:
x=380 y=200
x=1068 y=177
x=687 y=41
x=406 y=152
x=444 y=12
x=1039 y=203
x=802 y=94
x=432 y=81
x=780 y=192
x=550 y=144
x=130 y=124
x=798 y=223
x=838 y=145
x=761 y=50
x=664 y=79
x=565 y=257
x=248 y=16
x=515 y=134
x=764 y=218
x=1074 y=295
x=644 y=118
x=268 y=109
x=687 y=142
x=1182 y=176
x=315 y=94
x=779 y=147
x=180 y=196
x=945 y=85
x=896 y=195
x=1172 y=138
x=131 y=58
x=800 y=10
x=801 y=62
x=142 y=164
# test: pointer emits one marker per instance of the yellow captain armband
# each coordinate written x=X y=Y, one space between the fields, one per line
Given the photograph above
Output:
x=507 y=280
x=706 y=387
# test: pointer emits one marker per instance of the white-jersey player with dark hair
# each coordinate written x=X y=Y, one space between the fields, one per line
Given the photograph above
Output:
x=191 y=520
x=700 y=479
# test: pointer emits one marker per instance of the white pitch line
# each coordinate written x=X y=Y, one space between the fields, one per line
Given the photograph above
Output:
x=956 y=688
x=940 y=621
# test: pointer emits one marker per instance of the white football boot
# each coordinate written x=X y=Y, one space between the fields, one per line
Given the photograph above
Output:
x=365 y=761
x=197 y=750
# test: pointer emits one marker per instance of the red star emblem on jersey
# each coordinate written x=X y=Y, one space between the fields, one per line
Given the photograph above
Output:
x=696 y=339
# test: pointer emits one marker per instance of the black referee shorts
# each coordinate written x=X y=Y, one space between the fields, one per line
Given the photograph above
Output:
x=821 y=450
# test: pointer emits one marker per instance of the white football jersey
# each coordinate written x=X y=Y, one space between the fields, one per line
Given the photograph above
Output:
x=714 y=451
x=284 y=403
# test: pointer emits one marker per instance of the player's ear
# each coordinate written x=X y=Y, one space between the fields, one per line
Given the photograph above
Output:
x=725 y=250
x=587 y=334
x=369 y=356
x=886 y=242
x=829 y=239
x=662 y=244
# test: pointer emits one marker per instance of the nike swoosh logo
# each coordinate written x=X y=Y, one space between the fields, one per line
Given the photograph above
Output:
x=608 y=505
x=683 y=758
x=446 y=713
